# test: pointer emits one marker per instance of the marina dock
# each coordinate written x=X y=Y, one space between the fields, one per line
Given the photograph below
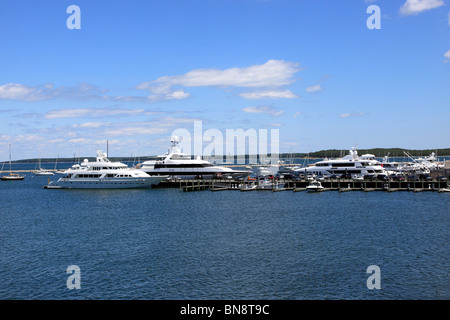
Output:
x=300 y=185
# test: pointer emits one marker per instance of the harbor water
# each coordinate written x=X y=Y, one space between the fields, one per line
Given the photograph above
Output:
x=166 y=244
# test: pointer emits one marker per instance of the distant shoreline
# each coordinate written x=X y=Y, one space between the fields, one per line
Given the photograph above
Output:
x=330 y=153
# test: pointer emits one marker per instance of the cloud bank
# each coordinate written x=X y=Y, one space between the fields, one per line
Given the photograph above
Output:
x=264 y=109
x=273 y=75
x=414 y=7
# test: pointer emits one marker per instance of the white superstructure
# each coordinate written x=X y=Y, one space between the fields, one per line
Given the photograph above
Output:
x=104 y=174
x=423 y=165
x=351 y=164
x=180 y=165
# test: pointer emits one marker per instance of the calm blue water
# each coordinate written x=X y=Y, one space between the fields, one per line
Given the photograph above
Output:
x=167 y=244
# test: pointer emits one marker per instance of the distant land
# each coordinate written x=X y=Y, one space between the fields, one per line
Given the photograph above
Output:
x=331 y=153
x=378 y=152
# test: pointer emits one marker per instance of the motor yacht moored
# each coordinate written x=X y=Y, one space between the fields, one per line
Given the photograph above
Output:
x=104 y=174
x=180 y=165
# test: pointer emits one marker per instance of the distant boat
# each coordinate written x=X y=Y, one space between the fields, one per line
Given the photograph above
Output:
x=42 y=172
x=61 y=171
x=11 y=176
x=315 y=186
x=266 y=184
x=249 y=187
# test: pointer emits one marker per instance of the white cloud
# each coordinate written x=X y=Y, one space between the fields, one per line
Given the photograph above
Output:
x=94 y=113
x=174 y=95
x=276 y=124
x=264 y=109
x=81 y=141
x=16 y=91
x=177 y=95
x=21 y=92
x=134 y=130
x=298 y=113
x=56 y=140
x=90 y=125
x=447 y=56
x=415 y=7
x=272 y=74
x=352 y=114
x=269 y=76
x=156 y=126
x=273 y=94
x=315 y=88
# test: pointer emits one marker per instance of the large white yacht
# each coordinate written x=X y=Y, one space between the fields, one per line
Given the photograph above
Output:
x=423 y=165
x=351 y=164
x=180 y=165
x=104 y=174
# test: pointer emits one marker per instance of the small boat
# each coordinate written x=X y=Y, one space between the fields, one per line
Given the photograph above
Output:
x=42 y=172
x=444 y=190
x=11 y=176
x=249 y=187
x=269 y=184
x=314 y=186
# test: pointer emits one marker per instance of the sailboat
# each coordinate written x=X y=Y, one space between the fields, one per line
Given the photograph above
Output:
x=11 y=176
x=61 y=171
x=42 y=172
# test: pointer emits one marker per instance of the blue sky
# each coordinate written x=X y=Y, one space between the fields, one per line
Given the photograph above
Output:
x=138 y=70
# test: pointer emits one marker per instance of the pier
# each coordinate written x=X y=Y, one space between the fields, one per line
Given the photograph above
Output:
x=341 y=185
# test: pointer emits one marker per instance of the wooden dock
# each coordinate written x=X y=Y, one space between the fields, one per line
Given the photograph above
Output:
x=300 y=185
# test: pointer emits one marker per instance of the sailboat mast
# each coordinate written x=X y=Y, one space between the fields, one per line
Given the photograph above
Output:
x=10 y=158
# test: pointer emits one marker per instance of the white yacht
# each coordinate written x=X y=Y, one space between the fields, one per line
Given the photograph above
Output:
x=269 y=184
x=392 y=167
x=423 y=165
x=265 y=171
x=104 y=174
x=42 y=172
x=315 y=186
x=180 y=165
x=351 y=164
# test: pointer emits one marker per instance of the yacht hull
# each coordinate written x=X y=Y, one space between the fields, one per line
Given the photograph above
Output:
x=314 y=189
x=189 y=175
x=105 y=183
x=7 y=178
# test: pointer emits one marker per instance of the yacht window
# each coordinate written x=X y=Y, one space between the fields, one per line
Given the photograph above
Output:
x=344 y=164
